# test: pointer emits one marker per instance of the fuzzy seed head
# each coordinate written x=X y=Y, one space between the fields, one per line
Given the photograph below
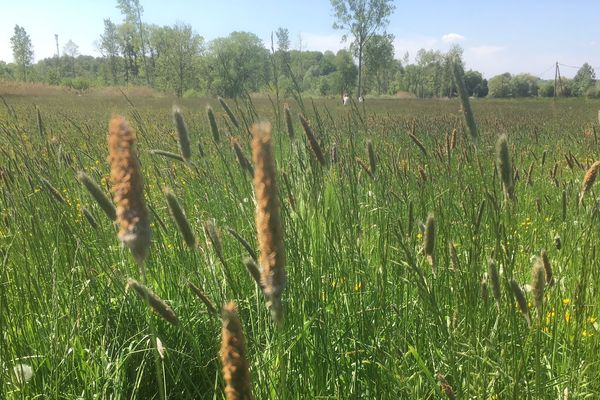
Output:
x=182 y=133
x=128 y=189
x=153 y=301
x=268 y=221
x=233 y=356
x=505 y=167
x=538 y=281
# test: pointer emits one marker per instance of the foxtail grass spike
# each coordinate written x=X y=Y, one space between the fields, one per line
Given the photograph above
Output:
x=494 y=279
x=505 y=167
x=182 y=133
x=167 y=154
x=268 y=221
x=153 y=301
x=213 y=234
x=128 y=189
x=89 y=217
x=103 y=201
x=548 y=275
x=180 y=219
x=253 y=270
x=212 y=121
x=538 y=282
x=203 y=298
x=53 y=191
x=521 y=300
x=288 y=121
x=459 y=77
x=230 y=113
x=372 y=157
x=233 y=356
x=312 y=140
x=588 y=180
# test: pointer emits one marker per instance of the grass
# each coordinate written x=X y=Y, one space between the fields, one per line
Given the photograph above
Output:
x=366 y=316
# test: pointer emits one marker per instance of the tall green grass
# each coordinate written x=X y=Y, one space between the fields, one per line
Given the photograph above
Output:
x=366 y=316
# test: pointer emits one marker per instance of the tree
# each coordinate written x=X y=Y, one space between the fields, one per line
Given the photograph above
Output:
x=345 y=74
x=179 y=47
x=237 y=64
x=109 y=48
x=361 y=19
x=525 y=85
x=379 y=61
x=70 y=51
x=132 y=11
x=476 y=85
x=22 y=49
x=584 y=80
x=501 y=85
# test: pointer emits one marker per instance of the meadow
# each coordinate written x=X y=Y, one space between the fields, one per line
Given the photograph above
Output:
x=402 y=251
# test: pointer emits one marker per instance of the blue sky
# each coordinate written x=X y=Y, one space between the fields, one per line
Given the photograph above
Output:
x=497 y=36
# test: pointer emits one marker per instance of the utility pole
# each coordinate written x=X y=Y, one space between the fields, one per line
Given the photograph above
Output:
x=557 y=81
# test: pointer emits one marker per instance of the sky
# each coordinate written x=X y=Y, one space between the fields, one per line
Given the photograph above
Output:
x=497 y=36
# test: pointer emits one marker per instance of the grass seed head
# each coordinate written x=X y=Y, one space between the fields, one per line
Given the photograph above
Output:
x=128 y=189
x=229 y=112
x=203 y=298
x=312 y=140
x=212 y=121
x=538 y=281
x=103 y=201
x=153 y=301
x=182 y=133
x=548 y=275
x=268 y=221
x=588 y=180
x=180 y=219
x=494 y=279
x=521 y=300
x=505 y=167
x=233 y=356
x=288 y=120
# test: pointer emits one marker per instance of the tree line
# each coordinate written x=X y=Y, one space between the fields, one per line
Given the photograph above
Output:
x=177 y=60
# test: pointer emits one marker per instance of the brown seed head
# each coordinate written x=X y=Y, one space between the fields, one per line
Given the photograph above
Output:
x=128 y=189
x=312 y=140
x=268 y=221
x=153 y=301
x=549 y=277
x=589 y=179
x=233 y=357
x=538 y=281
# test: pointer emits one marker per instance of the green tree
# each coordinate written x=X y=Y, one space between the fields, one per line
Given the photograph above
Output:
x=109 y=48
x=345 y=74
x=524 y=85
x=476 y=85
x=132 y=10
x=22 y=50
x=361 y=19
x=70 y=51
x=584 y=80
x=179 y=48
x=237 y=64
x=379 y=62
x=501 y=86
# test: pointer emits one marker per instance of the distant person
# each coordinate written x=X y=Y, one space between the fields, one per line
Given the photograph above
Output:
x=346 y=99
x=361 y=99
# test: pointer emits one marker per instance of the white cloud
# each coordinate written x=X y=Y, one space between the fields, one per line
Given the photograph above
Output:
x=452 y=37
x=317 y=42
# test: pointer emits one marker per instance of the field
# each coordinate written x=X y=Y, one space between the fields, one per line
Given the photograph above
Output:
x=365 y=313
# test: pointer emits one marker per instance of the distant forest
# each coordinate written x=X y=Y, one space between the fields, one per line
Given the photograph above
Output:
x=176 y=60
